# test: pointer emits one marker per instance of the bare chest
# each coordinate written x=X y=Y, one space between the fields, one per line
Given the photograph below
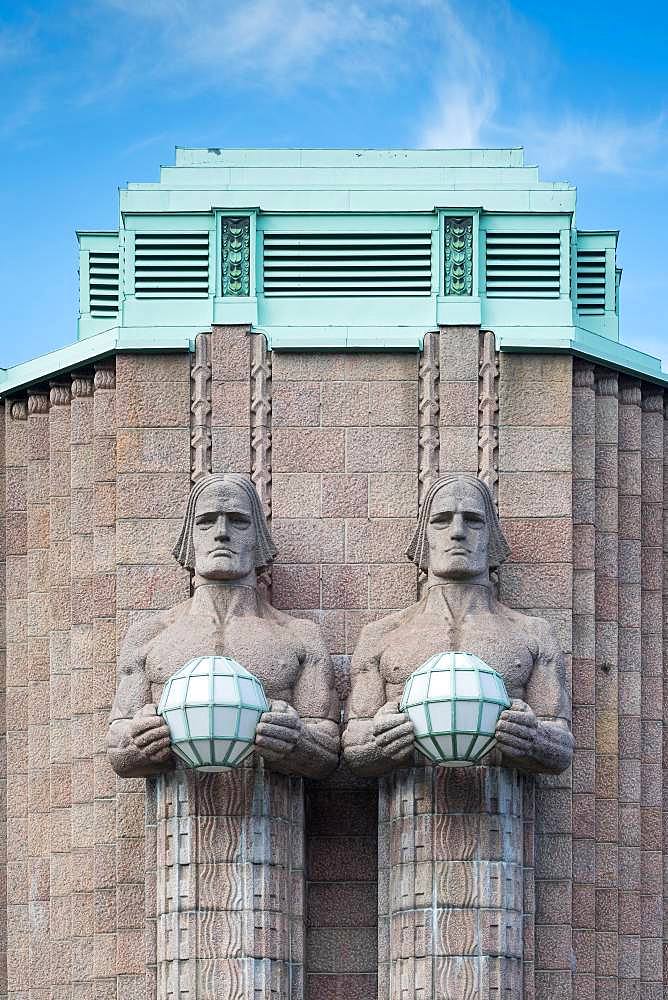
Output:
x=496 y=641
x=264 y=648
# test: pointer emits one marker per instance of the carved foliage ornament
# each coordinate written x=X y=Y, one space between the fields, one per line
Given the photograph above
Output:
x=236 y=256
x=459 y=256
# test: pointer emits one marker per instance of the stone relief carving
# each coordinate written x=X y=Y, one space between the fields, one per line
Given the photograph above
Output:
x=457 y=542
x=236 y=255
x=200 y=408
x=459 y=256
x=428 y=414
x=488 y=408
x=225 y=541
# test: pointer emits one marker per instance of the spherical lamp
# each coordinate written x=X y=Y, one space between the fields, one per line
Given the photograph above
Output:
x=454 y=701
x=212 y=706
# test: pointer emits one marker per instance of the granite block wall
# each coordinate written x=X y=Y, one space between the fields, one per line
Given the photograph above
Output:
x=95 y=471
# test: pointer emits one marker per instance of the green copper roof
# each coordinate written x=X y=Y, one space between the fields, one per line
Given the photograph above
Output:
x=322 y=248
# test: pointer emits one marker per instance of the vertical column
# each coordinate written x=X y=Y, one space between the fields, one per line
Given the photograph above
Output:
x=104 y=681
x=535 y=506
x=85 y=736
x=260 y=436
x=4 y=417
x=454 y=839
x=428 y=429
x=153 y=466
x=606 y=722
x=39 y=833
x=60 y=736
x=428 y=413
x=16 y=458
x=630 y=677
x=488 y=407
x=665 y=691
x=651 y=819
x=200 y=408
x=459 y=398
x=584 y=686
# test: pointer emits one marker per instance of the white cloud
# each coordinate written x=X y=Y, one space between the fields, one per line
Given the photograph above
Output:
x=467 y=93
x=263 y=40
x=480 y=94
x=599 y=144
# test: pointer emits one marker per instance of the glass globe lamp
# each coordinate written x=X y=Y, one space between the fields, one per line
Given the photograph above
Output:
x=454 y=701
x=212 y=706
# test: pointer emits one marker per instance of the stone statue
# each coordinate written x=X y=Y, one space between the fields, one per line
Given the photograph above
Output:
x=457 y=542
x=225 y=540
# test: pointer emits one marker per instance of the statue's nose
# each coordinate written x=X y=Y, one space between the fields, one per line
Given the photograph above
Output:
x=457 y=526
x=222 y=528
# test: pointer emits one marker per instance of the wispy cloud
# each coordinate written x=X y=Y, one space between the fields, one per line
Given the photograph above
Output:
x=264 y=41
x=466 y=97
x=480 y=100
x=606 y=145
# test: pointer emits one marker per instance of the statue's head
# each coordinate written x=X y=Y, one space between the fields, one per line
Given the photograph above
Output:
x=224 y=534
x=458 y=535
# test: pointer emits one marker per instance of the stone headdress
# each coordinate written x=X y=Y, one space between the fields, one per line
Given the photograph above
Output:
x=498 y=549
x=265 y=550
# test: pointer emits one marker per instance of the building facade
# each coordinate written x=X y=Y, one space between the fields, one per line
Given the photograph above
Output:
x=344 y=328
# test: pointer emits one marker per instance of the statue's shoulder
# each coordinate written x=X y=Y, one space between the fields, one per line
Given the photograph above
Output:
x=376 y=631
x=539 y=630
x=150 y=625
x=305 y=629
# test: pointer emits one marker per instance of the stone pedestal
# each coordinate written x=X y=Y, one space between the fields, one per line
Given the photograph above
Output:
x=451 y=892
x=230 y=885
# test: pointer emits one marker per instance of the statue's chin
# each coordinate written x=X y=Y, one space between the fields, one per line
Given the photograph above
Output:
x=456 y=574
x=222 y=575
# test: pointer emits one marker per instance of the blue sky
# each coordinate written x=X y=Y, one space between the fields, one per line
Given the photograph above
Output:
x=97 y=94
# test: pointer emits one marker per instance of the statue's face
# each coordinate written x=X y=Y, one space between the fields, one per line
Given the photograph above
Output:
x=223 y=533
x=457 y=533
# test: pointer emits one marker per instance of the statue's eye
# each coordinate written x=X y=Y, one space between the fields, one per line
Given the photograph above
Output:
x=441 y=519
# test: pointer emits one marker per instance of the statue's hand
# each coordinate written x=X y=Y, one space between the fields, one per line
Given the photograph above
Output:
x=277 y=731
x=149 y=734
x=516 y=730
x=393 y=732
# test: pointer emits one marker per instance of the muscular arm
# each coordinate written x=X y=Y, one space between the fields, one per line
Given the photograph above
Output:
x=377 y=737
x=550 y=746
x=314 y=715
x=133 y=723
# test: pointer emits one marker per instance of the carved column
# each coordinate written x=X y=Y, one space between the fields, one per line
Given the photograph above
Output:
x=69 y=824
x=488 y=406
x=18 y=937
x=606 y=819
x=651 y=627
x=630 y=677
x=40 y=749
x=451 y=854
x=230 y=846
x=230 y=885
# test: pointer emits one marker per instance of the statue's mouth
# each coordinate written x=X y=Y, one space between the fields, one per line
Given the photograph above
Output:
x=223 y=552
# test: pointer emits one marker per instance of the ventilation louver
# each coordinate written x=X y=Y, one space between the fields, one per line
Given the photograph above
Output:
x=591 y=282
x=171 y=265
x=357 y=264
x=103 y=282
x=523 y=265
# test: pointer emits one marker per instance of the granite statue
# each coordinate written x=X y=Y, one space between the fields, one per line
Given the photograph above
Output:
x=458 y=542
x=224 y=541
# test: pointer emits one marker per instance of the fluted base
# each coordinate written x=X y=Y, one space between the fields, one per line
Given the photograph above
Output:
x=455 y=900
x=230 y=885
